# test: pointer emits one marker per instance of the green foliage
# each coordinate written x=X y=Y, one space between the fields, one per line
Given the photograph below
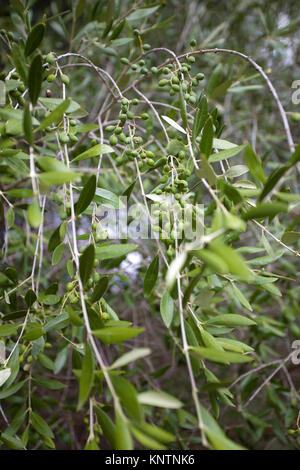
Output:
x=163 y=343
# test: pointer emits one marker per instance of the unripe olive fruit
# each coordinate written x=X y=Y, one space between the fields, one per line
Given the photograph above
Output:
x=51 y=78
x=64 y=138
x=295 y=117
x=193 y=42
x=113 y=140
x=200 y=76
x=65 y=79
x=50 y=58
x=70 y=286
x=73 y=137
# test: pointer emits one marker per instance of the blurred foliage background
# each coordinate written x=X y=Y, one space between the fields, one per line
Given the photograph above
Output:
x=268 y=32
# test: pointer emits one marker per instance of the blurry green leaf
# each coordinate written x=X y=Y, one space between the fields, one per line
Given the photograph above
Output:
x=167 y=308
x=254 y=164
x=55 y=115
x=116 y=334
x=57 y=254
x=35 y=78
x=94 y=151
x=100 y=289
x=86 y=195
x=130 y=356
x=8 y=330
x=34 y=214
x=242 y=299
x=225 y=154
x=4 y=375
x=35 y=37
x=27 y=125
x=128 y=397
x=12 y=442
x=18 y=60
x=86 y=377
x=106 y=424
x=160 y=399
x=223 y=357
x=123 y=439
x=146 y=441
x=231 y=319
x=40 y=425
x=141 y=13
x=206 y=143
x=86 y=263
x=151 y=276
x=265 y=209
x=114 y=251
x=174 y=124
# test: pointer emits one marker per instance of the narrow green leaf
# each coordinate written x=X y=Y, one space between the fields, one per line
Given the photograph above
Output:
x=86 y=263
x=112 y=335
x=151 y=276
x=8 y=330
x=223 y=357
x=27 y=125
x=131 y=356
x=242 y=299
x=12 y=442
x=174 y=124
x=108 y=427
x=254 y=164
x=55 y=115
x=40 y=425
x=160 y=399
x=86 y=377
x=206 y=143
x=35 y=37
x=94 y=151
x=34 y=214
x=18 y=60
x=231 y=319
x=123 y=439
x=86 y=195
x=225 y=154
x=35 y=78
x=100 y=289
x=114 y=251
x=4 y=375
x=128 y=397
x=167 y=308
x=265 y=209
